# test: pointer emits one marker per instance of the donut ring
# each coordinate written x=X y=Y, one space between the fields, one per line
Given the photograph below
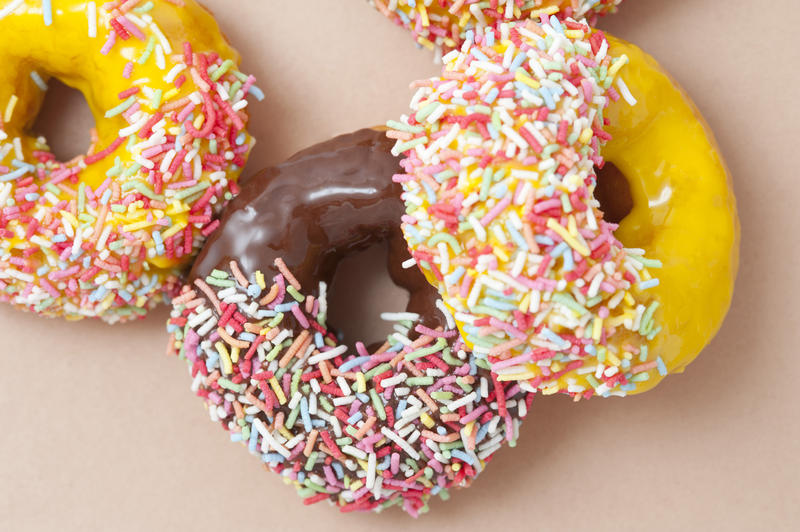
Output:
x=365 y=429
x=105 y=234
x=444 y=24
x=502 y=218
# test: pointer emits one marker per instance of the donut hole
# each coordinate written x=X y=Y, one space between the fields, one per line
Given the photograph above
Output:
x=361 y=289
x=65 y=121
x=614 y=193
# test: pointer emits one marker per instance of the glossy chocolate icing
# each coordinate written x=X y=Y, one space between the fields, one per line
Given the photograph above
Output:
x=321 y=205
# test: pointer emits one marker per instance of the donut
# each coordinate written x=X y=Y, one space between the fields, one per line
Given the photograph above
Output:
x=499 y=184
x=105 y=234
x=365 y=427
x=444 y=24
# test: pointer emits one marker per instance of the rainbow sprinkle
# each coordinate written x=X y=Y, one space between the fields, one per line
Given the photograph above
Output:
x=442 y=24
x=364 y=430
x=499 y=159
x=113 y=250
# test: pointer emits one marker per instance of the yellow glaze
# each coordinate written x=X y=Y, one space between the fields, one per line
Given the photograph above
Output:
x=70 y=50
x=684 y=210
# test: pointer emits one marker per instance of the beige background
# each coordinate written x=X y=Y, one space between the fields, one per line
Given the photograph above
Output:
x=101 y=432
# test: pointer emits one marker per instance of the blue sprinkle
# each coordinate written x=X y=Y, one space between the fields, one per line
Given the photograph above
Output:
x=650 y=283
x=47 y=12
x=304 y=415
x=355 y=418
x=556 y=25
x=401 y=406
x=255 y=91
x=517 y=62
x=285 y=307
x=458 y=453
x=662 y=368
x=453 y=278
x=353 y=363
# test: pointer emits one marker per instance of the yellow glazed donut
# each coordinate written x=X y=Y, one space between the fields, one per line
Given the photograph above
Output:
x=105 y=234
x=502 y=217
x=442 y=24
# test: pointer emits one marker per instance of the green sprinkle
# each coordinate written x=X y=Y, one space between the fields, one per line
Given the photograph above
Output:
x=425 y=351
x=148 y=51
x=295 y=294
x=449 y=239
x=378 y=404
x=121 y=108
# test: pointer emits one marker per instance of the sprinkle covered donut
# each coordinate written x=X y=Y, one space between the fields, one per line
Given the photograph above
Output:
x=499 y=184
x=365 y=427
x=443 y=24
x=105 y=234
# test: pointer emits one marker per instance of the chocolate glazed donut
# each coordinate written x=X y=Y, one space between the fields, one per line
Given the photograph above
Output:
x=362 y=427
x=323 y=204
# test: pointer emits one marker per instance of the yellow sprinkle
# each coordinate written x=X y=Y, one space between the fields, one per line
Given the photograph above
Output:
x=425 y=42
x=107 y=301
x=234 y=354
x=556 y=366
x=198 y=122
x=501 y=254
x=423 y=13
x=464 y=19
x=521 y=75
x=456 y=467
x=551 y=10
x=172 y=230
x=12 y=103
x=227 y=366
x=264 y=331
x=572 y=227
x=516 y=376
x=629 y=299
x=586 y=136
x=568 y=238
x=469 y=428
x=285 y=433
x=619 y=63
x=597 y=329
x=69 y=218
x=523 y=305
x=627 y=355
x=427 y=420
x=550 y=390
x=260 y=280
x=177 y=207
x=362 y=382
x=611 y=357
x=170 y=94
x=138 y=225
x=574 y=34
x=273 y=382
x=357 y=484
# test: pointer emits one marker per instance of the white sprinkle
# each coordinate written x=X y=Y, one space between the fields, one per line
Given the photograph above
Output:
x=91 y=16
x=401 y=442
x=10 y=8
x=327 y=355
x=625 y=92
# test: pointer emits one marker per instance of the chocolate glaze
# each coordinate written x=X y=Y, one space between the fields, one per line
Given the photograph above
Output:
x=321 y=205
